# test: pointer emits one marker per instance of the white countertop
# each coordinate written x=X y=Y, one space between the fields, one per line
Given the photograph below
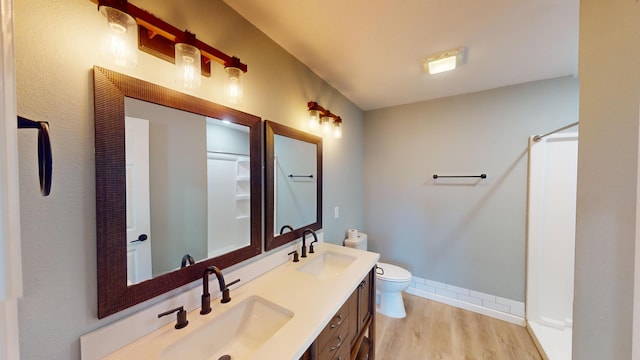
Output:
x=313 y=301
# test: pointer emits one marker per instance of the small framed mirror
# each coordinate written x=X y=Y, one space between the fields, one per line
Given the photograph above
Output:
x=178 y=188
x=293 y=184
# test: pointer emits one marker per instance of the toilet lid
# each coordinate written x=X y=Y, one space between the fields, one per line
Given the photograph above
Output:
x=393 y=273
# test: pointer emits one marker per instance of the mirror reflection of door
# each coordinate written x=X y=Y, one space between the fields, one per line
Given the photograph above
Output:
x=198 y=186
x=138 y=206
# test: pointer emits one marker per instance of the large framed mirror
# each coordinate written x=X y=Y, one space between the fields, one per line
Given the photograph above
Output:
x=178 y=188
x=293 y=183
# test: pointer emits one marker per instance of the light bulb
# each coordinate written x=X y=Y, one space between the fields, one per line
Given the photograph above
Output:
x=121 y=41
x=337 y=129
x=233 y=85
x=326 y=125
x=314 y=119
x=188 y=68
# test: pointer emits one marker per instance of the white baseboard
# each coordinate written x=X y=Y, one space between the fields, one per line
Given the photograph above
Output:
x=490 y=305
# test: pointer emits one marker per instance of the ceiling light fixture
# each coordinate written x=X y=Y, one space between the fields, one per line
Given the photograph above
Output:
x=163 y=40
x=444 y=61
x=320 y=117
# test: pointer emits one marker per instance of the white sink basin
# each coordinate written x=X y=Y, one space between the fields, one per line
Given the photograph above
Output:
x=238 y=332
x=327 y=265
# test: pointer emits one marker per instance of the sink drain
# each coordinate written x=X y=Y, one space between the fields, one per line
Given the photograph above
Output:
x=225 y=357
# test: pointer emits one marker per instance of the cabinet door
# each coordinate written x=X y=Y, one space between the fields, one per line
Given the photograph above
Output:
x=307 y=354
x=365 y=303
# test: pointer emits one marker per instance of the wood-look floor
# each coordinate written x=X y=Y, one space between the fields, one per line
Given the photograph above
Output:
x=433 y=330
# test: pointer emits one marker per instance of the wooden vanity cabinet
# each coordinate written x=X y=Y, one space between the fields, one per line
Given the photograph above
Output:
x=352 y=326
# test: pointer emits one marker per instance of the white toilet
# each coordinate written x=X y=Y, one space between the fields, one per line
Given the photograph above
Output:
x=391 y=280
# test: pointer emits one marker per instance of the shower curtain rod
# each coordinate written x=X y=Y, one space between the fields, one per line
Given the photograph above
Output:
x=539 y=137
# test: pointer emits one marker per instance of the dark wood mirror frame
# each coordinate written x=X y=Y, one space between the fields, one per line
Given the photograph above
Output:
x=111 y=88
x=272 y=129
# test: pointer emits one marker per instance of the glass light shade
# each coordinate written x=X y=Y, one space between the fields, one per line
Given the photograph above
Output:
x=314 y=119
x=337 y=130
x=121 y=41
x=442 y=65
x=326 y=125
x=188 y=68
x=233 y=85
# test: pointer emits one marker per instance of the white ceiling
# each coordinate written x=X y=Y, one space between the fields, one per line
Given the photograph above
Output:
x=370 y=50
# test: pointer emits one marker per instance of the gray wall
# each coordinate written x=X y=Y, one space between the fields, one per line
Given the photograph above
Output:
x=607 y=249
x=467 y=233
x=56 y=47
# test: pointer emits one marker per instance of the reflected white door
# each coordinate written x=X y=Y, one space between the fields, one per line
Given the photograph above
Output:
x=138 y=206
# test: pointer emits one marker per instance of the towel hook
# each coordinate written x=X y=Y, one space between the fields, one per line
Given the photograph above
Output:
x=45 y=159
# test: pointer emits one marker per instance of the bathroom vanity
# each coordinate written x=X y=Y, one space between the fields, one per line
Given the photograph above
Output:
x=319 y=308
x=351 y=331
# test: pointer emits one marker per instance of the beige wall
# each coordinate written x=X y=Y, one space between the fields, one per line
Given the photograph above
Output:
x=466 y=233
x=607 y=179
x=56 y=47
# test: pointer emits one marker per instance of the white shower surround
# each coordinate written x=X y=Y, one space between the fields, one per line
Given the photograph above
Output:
x=551 y=242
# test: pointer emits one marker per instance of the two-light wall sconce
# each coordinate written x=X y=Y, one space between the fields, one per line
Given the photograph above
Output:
x=320 y=117
x=132 y=28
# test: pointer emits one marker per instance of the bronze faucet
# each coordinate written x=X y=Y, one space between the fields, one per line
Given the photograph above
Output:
x=224 y=288
x=285 y=227
x=304 y=244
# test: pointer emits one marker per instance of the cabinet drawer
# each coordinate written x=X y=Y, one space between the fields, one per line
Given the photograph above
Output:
x=336 y=344
x=334 y=324
x=344 y=352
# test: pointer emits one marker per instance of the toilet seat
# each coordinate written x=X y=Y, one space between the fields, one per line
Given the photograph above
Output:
x=393 y=273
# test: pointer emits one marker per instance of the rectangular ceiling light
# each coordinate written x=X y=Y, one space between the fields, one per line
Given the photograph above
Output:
x=444 y=61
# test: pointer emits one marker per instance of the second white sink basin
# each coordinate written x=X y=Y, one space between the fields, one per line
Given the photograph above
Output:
x=238 y=332
x=327 y=265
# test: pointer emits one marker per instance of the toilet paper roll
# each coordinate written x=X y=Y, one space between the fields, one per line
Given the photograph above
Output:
x=353 y=234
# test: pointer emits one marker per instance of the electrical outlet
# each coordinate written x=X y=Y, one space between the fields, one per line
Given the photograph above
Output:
x=336 y=212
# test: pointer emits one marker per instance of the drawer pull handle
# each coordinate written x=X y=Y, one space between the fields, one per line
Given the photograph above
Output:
x=333 y=326
x=334 y=348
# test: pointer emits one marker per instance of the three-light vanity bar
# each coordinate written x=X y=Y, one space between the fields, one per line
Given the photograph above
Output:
x=193 y=57
x=321 y=117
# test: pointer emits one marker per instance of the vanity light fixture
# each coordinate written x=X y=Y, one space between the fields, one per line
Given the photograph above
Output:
x=161 y=39
x=326 y=124
x=188 y=67
x=233 y=82
x=314 y=115
x=320 y=117
x=444 y=61
x=121 y=40
x=337 y=128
